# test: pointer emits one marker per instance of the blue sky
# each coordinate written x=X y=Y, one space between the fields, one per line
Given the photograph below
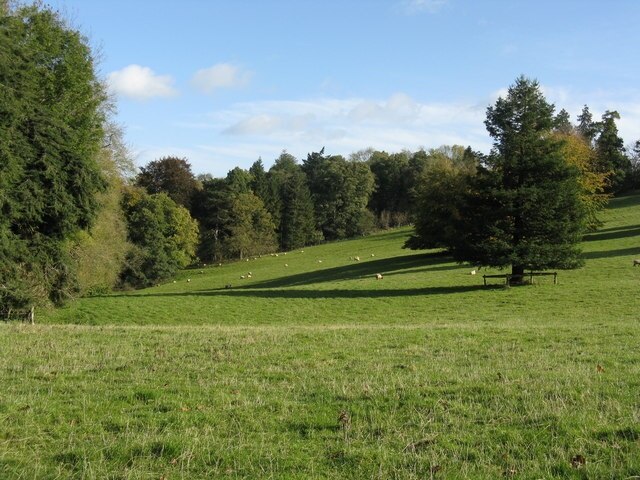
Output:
x=225 y=82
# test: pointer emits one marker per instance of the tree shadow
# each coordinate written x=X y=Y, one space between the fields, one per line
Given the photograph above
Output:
x=631 y=199
x=613 y=233
x=366 y=268
x=621 y=252
x=320 y=294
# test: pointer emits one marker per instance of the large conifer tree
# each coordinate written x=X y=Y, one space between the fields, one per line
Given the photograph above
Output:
x=524 y=208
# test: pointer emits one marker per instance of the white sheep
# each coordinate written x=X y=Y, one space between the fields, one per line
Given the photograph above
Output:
x=357 y=259
x=188 y=280
x=379 y=276
x=473 y=272
x=242 y=277
x=373 y=255
x=636 y=262
x=286 y=264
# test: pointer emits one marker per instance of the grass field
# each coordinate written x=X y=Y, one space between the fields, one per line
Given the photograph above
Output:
x=432 y=374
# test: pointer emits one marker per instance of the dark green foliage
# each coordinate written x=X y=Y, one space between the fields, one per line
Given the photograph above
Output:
x=610 y=153
x=212 y=209
x=340 y=190
x=586 y=126
x=295 y=222
x=51 y=117
x=524 y=207
x=163 y=234
x=169 y=175
x=390 y=198
x=439 y=196
x=562 y=123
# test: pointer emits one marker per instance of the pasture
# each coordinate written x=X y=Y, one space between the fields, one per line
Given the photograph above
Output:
x=314 y=369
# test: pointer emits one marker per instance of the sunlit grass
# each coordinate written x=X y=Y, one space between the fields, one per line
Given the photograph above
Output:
x=440 y=376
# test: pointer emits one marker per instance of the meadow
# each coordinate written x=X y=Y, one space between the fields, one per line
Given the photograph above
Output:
x=313 y=369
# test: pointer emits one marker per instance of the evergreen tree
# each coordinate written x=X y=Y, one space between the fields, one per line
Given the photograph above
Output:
x=562 y=123
x=523 y=208
x=51 y=129
x=340 y=192
x=610 y=153
x=586 y=126
x=295 y=224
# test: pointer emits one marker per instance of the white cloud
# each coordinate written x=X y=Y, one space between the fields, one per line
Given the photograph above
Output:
x=140 y=83
x=413 y=7
x=222 y=75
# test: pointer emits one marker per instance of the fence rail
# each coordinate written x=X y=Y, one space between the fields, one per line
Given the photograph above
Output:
x=25 y=315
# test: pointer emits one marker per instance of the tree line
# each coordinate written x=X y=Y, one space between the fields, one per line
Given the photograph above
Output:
x=77 y=219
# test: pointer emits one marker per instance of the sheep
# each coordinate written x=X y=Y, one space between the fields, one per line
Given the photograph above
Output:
x=379 y=276
x=636 y=262
x=373 y=255
x=249 y=276
x=473 y=272
x=357 y=259
x=249 y=273
x=242 y=277
x=319 y=261
x=188 y=280
x=286 y=264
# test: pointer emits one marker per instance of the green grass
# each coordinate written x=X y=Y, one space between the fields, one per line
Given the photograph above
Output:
x=440 y=376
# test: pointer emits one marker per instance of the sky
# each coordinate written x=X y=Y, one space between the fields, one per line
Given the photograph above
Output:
x=225 y=82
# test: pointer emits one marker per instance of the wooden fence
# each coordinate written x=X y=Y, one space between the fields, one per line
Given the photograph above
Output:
x=508 y=276
x=24 y=315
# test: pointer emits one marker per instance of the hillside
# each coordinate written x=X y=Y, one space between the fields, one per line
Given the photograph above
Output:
x=437 y=375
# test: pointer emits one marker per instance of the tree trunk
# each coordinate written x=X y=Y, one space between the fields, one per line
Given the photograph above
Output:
x=517 y=272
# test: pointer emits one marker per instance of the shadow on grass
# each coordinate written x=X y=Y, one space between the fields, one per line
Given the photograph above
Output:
x=631 y=199
x=386 y=266
x=622 y=252
x=315 y=294
x=613 y=233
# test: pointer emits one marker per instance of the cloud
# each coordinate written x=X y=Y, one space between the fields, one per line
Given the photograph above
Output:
x=222 y=75
x=413 y=7
x=140 y=83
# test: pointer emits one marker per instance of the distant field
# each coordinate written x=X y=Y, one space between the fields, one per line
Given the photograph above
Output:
x=439 y=376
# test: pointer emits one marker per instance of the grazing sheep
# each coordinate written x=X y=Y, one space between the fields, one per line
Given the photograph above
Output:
x=249 y=276
x=373 y=255
x=286 y=264
x=249 y=273
x=319 y=261
x=379 y=276
x=357 y=259
x=174 y=281
x=473 y=272
x=242 y=277
x=636 y=262
x=188 y=280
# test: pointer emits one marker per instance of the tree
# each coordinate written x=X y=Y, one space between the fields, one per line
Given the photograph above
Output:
x=294 y=219
x=52 y=112
x=562 y=123
x=593 y=182
x=251 y=230
x=163 y=233
x=439 y=194
x=523 y=208
x=212 y=209
x=340 y=192
x=390 y=198
x=611 y=153
x=586 y=126
x=170 y=175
